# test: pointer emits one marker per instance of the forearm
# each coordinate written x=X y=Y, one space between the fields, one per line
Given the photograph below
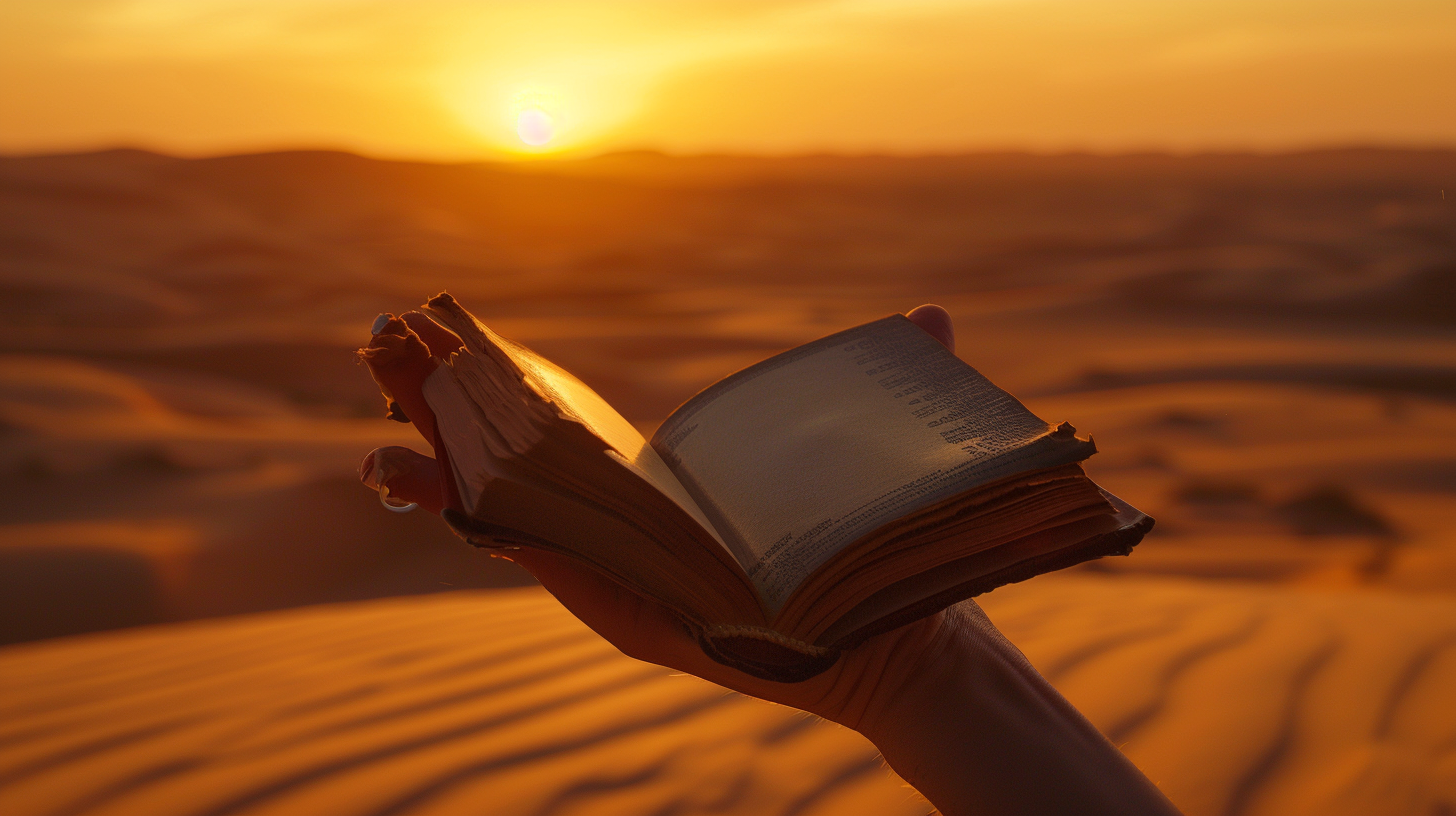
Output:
x=980 y=731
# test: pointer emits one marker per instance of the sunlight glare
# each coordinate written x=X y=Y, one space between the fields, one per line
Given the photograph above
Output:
x=541 y=111
x=535 y=127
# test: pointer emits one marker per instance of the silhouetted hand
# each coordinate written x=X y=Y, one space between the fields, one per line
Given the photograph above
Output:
x=644 y=629
x=952 y=705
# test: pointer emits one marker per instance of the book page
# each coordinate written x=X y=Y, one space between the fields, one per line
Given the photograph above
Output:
x=798 y=456
x=629 y=449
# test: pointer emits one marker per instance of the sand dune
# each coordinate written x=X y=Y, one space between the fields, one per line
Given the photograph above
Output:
x=1240 y=700
x=485 y=704
x=1235 y=700
x=145 y=494
x=1270 y=320
x=1261 y=345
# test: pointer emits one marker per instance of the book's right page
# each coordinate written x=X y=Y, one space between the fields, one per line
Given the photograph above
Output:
x=796 y=457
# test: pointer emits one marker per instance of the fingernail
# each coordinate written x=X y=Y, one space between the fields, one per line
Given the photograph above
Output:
x=380 y=322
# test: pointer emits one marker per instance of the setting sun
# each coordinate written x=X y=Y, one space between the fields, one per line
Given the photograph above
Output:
x=534 y=127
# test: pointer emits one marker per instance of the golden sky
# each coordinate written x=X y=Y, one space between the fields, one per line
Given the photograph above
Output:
x=456 y=79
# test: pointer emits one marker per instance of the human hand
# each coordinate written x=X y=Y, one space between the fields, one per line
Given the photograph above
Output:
x=851 y=692
x=952 y=705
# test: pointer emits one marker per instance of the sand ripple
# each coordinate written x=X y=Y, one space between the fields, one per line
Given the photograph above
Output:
x=463 y=703
x=1237 y=700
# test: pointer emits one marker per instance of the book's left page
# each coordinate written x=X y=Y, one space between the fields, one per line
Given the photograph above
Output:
x=568 y=396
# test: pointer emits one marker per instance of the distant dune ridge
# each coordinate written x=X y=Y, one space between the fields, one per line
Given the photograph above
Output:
x=1263 y=347
x=205 y=243
x=1234 y=700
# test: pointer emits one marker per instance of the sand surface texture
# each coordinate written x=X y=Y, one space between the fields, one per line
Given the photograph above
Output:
x=1264 y=348
x=1238 y=700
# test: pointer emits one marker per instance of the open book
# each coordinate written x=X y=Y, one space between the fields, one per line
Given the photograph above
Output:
x=830 y=493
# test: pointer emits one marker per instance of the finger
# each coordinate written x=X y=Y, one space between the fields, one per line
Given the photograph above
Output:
x=400 y=361
x=441 y=341
x=409 y=476
x=935 y=320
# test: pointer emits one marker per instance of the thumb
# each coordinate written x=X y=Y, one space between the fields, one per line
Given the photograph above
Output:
x=406 y=475
x=935 y=320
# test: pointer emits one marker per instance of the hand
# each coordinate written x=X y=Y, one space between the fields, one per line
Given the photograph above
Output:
x=849 y=693
x=952 y=705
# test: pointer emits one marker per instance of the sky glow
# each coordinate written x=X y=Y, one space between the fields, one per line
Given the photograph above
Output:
x=455 y=79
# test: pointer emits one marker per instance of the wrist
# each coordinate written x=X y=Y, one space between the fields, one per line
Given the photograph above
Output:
x=976 y=729
x=964 y=659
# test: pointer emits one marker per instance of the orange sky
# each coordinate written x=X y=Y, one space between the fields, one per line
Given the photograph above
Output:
x=450 y=78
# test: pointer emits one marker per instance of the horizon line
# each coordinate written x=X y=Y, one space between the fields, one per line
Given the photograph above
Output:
x=661 y=153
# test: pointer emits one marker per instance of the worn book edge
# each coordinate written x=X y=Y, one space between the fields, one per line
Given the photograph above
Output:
x=771 y=655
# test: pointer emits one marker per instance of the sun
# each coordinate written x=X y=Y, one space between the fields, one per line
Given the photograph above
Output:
x=535 y=118
x=535 y=127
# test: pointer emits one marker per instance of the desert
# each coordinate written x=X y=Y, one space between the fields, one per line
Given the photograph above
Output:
x=206 y=614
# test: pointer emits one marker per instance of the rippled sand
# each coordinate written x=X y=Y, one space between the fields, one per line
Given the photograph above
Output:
x=1234 y=700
